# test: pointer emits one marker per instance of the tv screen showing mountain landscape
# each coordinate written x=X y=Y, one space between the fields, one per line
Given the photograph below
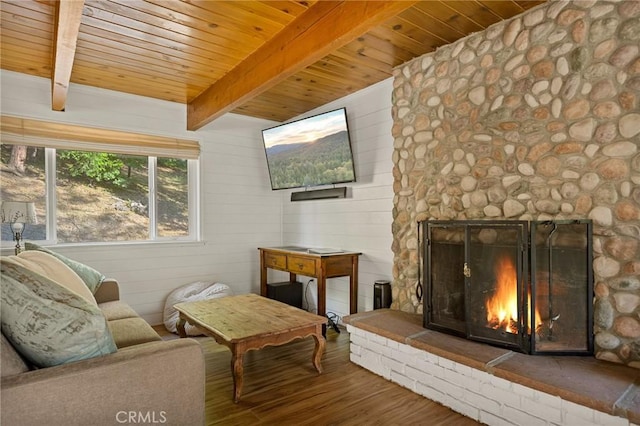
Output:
x=313 y=151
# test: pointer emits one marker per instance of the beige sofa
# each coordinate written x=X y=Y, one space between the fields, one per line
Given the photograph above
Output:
x=146 y=381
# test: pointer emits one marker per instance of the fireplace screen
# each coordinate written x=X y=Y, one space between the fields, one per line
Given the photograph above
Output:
x=525 y=286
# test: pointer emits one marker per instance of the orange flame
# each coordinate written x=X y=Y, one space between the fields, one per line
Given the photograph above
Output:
x=502 y=307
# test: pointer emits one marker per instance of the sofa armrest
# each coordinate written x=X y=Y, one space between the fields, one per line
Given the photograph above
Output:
x=160 y=382
x=108 y=291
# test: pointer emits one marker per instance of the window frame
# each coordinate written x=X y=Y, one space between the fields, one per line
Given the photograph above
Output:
x=193 y=194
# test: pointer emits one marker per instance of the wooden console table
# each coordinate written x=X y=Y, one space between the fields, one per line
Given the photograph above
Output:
x=303 y=261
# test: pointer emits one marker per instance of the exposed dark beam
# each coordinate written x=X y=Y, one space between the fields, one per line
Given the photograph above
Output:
x=68 y=15
x=323 y=28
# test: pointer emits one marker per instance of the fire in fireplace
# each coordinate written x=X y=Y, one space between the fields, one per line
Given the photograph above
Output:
x=523 y=285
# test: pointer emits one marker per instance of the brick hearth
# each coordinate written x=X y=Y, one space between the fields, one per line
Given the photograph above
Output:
x=493 y=385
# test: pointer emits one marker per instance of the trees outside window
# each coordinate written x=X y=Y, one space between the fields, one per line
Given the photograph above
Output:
x=99 y=197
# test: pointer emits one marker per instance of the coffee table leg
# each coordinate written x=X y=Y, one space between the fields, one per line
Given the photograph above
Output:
x=318 y=351
x=180 y=327
x=236 y=371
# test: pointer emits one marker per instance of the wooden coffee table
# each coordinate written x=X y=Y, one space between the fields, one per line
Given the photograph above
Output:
x=246 y=322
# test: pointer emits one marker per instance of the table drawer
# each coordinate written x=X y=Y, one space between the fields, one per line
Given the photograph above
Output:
x=338 y=266
x=301 y=265
x=275 y=261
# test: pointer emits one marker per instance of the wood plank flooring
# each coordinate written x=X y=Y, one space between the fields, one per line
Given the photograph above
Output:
x=281 y=387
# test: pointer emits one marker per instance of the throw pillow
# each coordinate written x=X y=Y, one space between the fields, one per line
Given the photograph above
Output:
x=46 y=322
x=53 y=268
x=90 y=276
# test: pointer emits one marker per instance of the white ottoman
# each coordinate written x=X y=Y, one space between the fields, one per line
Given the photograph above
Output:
x=190 y=293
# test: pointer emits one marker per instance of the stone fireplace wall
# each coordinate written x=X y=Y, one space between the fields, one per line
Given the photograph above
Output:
x=535 y=118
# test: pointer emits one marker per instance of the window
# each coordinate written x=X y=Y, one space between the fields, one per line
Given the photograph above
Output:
x=104 y=193
x=22 y=178
x=100 y=197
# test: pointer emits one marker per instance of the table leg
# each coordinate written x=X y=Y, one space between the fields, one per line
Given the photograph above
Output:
x=236 y=371
x=353 y=286
x=318 y=351
x=180 y=327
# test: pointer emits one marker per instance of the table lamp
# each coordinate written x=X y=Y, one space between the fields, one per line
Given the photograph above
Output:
x=17 y=214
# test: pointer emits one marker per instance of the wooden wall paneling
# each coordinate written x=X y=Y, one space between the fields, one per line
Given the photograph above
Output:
x=11 y=30
x=188 y=34
x=330 y=78
x=452 y=18
x=346 y=56
x=135 y=47
x=106 y=79
x=423 y=27
x=28 y=10
x=474 y=11
x=339 y=65
x=37 y=64
x=197 y=42
x=367 y=51
x=393 y=54
x=403 y=42
x=163 y=35
x=121 y=73
x=337 y=26
x=280 y=13
x=106 y=57
x=504 y=9
x=191 y=16
x=38 y=58
x=528 y=4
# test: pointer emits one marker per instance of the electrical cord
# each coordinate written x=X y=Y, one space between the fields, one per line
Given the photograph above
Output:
x=333 y=321
x=333 y=318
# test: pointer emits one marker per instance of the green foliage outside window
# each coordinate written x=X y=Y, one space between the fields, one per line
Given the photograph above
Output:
x=97 y=166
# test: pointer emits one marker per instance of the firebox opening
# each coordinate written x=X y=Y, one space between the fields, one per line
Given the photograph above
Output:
x=509 y=284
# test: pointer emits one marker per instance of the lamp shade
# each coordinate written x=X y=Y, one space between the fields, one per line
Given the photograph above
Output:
x=18 y=212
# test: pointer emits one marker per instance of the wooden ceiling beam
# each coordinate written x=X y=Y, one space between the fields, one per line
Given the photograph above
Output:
x=67 y=26
x=320 y=30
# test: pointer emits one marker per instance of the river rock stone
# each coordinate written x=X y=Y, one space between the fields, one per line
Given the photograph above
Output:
x=535 y=118
x=620 y=149
x=606 y=267
x=602 y=216
x=627 y=327
x=492 y=211
x=583 y=130
x=602 y=29
x=607 y=340
x=626 y=303
x=604 y=314
x=629 y=125
x=627 y=211
x=513 y=208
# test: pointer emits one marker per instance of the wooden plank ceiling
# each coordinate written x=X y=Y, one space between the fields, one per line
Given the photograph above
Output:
x=267 y=59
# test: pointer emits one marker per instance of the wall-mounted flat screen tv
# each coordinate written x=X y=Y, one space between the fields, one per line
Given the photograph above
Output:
x=313 y=151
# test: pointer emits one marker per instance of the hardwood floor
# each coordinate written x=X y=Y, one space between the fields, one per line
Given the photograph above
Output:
x=282 y=387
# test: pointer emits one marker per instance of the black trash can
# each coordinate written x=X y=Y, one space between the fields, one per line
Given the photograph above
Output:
x=381 y=294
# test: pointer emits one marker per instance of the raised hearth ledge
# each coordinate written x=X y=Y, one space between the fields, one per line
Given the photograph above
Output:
x=609 y=388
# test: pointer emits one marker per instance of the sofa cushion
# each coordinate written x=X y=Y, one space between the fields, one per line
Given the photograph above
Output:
x=117 y=310
x=90 y=276
x=47 y=323
x=54 y=269
x=132 y=331
x=11 y=363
